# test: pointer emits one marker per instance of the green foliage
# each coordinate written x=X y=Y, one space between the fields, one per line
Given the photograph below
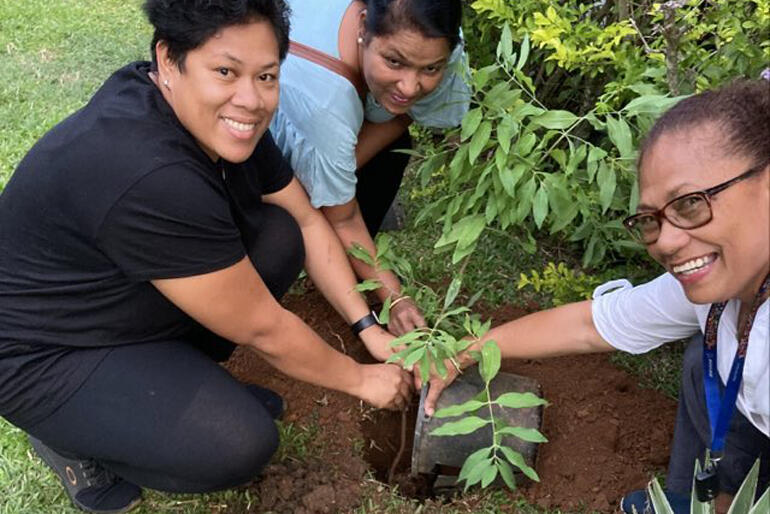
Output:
x=484 y=465
x=515 y=163
x=563 y=284
x=743 y=501
x=612 y=52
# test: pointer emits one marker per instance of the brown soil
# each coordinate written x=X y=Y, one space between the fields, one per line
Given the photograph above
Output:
x=606 y=435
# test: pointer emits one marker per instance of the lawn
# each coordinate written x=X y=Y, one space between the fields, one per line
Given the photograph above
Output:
x=53 y=56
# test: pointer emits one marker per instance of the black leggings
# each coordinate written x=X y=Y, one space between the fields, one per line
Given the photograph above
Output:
x=165 y=415
x=379 y=180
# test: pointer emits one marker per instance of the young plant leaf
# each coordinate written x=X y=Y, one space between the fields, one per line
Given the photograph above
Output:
x=555 y=119
x=360 y=253
x=384 y=315
x=472 y=460
x=531 y=435
x=452 y=291
x=523 y=52
x=519 y=400
x=368 y=285
x=413 y=357
x=470 y=123
x=456 y=410
x=507 y=473
x=517 y=460
x=462 y=427
x=490 y=361
x=763 y=504
x=477 y=472
x=479 y=140
x=488 y=476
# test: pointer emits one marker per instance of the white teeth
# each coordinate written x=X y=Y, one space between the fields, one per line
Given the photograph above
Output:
x=693 y=265
x=241 y=127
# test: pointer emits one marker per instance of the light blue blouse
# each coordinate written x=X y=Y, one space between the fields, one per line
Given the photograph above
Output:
x=320 y=114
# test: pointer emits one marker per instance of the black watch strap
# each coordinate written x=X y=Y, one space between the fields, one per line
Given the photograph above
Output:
x=364 y=323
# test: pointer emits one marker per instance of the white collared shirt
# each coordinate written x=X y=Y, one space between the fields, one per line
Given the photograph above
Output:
x=638 y=319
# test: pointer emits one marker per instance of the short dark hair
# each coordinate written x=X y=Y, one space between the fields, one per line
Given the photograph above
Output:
x=741 y=109
x=431 y=18
x=185 y=25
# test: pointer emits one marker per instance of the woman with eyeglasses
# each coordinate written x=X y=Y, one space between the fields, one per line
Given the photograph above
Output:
x=704 y=215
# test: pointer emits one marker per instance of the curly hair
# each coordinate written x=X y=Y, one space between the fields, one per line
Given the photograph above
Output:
x=741 y=109
x=185 y=25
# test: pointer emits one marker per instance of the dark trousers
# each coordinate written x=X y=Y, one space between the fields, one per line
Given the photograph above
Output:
x=165 y=415
x=692 y=435
x=379 y=180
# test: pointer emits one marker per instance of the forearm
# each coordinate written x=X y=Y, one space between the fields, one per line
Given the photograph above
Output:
x=293 y=348
x=374 y=137
x=564 y=330
x=327 y=265
x=353 y=230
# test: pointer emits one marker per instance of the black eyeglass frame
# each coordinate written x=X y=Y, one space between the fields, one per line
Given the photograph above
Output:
x=706 y=195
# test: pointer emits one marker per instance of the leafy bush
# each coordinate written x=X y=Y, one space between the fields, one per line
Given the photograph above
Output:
x=516 y=163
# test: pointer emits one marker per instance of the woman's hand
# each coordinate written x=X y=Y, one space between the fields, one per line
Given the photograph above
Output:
x=385 y=386
x=377 y=340
x=405 y=316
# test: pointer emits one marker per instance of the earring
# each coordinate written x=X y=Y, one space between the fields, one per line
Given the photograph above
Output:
x=360 y=40
x=165 y=83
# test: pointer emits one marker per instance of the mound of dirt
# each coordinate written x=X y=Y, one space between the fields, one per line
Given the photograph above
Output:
x=606 y=435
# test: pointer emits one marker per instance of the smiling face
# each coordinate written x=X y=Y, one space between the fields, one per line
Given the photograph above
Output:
x=403 y=67
x=730 y=256
x=227 y=91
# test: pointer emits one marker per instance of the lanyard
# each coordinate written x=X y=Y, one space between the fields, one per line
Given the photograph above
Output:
x=721 y=410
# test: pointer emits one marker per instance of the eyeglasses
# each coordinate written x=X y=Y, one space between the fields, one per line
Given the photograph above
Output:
x=688 y=211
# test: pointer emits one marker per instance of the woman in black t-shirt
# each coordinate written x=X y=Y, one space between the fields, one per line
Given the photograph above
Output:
x=151 y=231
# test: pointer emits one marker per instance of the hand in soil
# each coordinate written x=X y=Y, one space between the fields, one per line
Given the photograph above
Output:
x=385 y=386
x=436 y=386
x=405 y=316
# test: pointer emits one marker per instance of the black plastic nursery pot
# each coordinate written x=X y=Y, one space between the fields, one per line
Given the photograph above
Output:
x=442 y=457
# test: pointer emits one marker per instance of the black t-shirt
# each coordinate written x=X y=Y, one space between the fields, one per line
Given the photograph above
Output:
x=114 y=196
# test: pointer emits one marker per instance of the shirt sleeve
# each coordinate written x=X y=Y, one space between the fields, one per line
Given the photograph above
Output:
x=321 y=149
x=274 y=170
x=639 y=319
x=174 y=222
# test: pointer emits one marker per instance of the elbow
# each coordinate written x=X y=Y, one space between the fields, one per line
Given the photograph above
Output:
x=265 y=334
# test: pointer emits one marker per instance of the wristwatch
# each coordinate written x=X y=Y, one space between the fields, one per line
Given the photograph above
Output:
x=364 y=323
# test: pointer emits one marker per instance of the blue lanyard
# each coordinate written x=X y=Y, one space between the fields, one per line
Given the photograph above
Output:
x=721 y=410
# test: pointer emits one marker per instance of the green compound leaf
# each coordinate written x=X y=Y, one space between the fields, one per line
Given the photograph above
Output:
x=470 y=123
x=490 y=361
x=368 y=285
x=555 y=119
x=507 y=473
x=517 y=460
x=472 y=460
x=488 y=476
x=456 y=410
x=620 y=134
x=479 y=140
x=413 y=357
x=462 y=427
x=519 y=400
x=360 y=253
x=477 y=472
x=531 y=435
x=540 y=206
x=505 y=131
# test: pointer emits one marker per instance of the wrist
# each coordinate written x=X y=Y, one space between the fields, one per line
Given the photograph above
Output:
x=364 y=323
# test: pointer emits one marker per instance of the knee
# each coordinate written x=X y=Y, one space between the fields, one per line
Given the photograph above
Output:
x=239 y=456
x=278 y=250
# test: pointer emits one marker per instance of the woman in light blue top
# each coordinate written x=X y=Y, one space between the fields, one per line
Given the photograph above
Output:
x=409 y=56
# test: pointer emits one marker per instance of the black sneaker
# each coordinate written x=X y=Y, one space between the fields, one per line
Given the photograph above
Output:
x=90 y=487
x=270 y=400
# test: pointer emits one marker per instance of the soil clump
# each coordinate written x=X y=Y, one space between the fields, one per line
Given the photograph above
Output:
x=606 y=435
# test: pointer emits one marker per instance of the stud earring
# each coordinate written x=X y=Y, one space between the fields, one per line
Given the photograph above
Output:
x=360 y=40
x=165 y=83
